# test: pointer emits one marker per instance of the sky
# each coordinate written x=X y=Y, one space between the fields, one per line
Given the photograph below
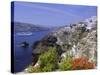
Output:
x=46 y=14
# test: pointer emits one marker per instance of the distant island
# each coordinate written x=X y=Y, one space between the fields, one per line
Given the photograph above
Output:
x=25 y=27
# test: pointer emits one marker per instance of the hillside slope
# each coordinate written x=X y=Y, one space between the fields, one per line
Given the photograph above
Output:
x=78 y=41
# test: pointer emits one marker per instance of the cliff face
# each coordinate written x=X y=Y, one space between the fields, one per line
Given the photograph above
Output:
x=77 y=40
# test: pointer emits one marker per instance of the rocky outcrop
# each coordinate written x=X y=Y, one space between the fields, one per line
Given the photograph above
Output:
x=79 y=39
x=76 y=40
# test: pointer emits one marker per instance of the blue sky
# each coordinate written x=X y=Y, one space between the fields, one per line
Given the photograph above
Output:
x=51 y=14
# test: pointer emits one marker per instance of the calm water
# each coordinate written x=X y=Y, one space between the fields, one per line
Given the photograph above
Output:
x=23 y=56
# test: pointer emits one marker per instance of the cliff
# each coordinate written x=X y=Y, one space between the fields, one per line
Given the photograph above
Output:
x=75 y=40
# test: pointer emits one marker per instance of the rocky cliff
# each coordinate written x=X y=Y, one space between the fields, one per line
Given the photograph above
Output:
x=79 y=39
x=75 y=40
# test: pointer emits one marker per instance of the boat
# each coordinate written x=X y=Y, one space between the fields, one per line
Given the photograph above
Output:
x=24 y=33
x=24 y=44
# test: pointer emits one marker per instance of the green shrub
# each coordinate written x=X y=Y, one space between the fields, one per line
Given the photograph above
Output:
x=49 y=67
x=32 y=69
x=66 y=64
x=48 y=60
x=49 y=57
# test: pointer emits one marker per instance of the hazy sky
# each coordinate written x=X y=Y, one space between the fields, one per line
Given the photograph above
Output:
x=51 y=14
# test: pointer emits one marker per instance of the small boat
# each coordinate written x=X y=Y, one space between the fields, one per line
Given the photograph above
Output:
x=24 y=44
x=24 y=33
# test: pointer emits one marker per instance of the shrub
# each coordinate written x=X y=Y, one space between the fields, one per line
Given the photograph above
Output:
x=32 y=69
x=48 y=60
x=49 y=67
x=66 y=64
x=82 y=63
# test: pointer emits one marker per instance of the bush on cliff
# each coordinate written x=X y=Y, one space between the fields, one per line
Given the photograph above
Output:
x=48 y=60
x=66 y=64
x=82 y=63
x=32 y=69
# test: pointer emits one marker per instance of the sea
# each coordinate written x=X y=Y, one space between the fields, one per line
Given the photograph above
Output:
x=23 y=56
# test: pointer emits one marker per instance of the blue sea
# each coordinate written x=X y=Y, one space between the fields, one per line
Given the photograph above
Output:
x=23 y=56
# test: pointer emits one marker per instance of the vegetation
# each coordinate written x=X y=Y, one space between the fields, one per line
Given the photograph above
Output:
x=32 y=69
x=48 y=68
x=66 y=64
x=82 y=63
x=47 y=61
